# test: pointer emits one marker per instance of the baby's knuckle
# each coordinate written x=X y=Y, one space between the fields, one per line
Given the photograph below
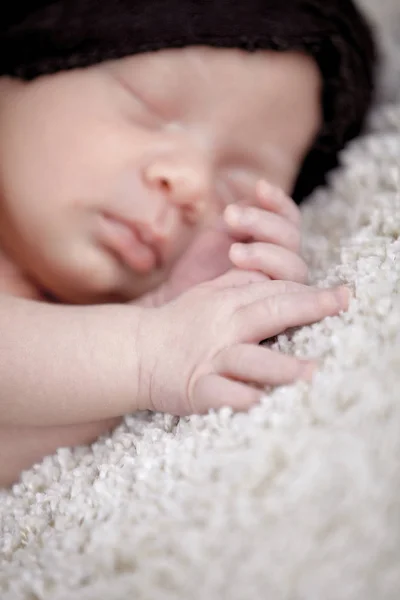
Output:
x=284 y=287
x=232 y=355
x=237 y=323
x=275 y=308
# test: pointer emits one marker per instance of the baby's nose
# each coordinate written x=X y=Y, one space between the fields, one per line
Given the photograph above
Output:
x=185 y=185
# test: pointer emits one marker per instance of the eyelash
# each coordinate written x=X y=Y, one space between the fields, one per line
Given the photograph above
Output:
x=149 y=111
x=143 y=104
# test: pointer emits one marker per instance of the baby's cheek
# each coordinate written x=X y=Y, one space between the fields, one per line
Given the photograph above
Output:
x=207 y=258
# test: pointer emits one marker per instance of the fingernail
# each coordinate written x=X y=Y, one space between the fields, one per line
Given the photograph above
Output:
x=232 y=214
x=308 y=371
x=343 y=294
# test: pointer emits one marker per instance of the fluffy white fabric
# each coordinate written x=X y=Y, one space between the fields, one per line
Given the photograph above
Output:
x=298 y=500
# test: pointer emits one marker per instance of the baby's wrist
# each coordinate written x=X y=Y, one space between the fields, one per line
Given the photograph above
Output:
x=150 y=351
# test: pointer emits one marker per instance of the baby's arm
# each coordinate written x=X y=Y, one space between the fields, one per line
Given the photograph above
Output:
x=62 y=365
x=67 y=364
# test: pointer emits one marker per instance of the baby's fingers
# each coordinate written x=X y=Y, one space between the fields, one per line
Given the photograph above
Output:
x=275 y=200
x=249 y=222
x=243 y=370
x=214 y=392
x=261 y=366
x=272 y=260
x=274 y=315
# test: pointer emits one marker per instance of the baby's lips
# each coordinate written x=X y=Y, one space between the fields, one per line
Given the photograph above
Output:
x=124 y=241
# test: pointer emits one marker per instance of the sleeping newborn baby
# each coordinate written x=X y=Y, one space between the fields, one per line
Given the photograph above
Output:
x=148 y=237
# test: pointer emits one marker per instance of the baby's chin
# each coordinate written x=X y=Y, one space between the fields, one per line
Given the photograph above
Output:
x=88 y=274
x=100 y=287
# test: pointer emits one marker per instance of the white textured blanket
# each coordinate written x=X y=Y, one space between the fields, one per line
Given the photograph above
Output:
x=298 y=500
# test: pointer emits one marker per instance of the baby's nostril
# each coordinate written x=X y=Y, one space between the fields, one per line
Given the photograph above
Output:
x=165 y=185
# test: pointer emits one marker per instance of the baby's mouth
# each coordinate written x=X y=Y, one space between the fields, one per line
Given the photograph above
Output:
x=123 y=239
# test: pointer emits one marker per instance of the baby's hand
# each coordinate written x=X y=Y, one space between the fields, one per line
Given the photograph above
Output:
x=271 y=230
x=201 y=351
x=274 y=225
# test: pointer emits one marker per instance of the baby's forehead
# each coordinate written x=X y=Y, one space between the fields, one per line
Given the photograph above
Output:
x=217 y=69
x=199 y=54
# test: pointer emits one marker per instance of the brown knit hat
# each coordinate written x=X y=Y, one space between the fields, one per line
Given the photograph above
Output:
x=49 y=36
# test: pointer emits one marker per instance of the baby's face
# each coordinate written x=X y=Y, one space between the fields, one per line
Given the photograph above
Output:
x=108 y=173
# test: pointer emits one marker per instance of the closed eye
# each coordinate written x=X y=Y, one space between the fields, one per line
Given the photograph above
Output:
x=143 y=103
x=146 y=105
